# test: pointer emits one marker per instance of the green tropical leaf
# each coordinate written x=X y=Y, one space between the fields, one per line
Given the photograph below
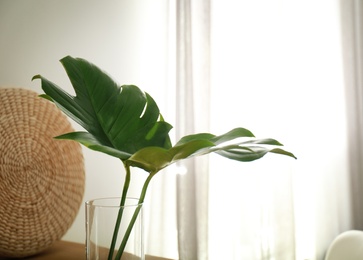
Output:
x=122 y=118
x=91 y=142
x=153 y=159
x=233 y=134
x=268 y=141
x=125 y=122
x=249 y=153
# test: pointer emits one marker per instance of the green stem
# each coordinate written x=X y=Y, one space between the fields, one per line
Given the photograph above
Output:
x=120 y=212
x=134 y=217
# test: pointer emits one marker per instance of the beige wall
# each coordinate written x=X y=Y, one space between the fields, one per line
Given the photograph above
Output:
x=125 y=38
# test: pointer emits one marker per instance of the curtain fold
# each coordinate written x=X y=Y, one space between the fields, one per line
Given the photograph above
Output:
x=192 y=116
x=352 y=43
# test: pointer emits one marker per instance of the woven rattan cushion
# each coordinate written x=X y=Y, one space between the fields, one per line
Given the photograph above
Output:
x=41 y=178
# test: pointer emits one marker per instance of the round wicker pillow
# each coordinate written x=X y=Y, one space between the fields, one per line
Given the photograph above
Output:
x=41 y=179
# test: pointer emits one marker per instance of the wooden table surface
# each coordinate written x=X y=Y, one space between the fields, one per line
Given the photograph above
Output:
x=64 y=250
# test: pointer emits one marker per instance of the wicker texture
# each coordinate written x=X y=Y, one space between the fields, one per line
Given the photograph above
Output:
x=41 y=179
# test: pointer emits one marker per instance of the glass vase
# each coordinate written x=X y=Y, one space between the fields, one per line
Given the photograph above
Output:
x=106 y=227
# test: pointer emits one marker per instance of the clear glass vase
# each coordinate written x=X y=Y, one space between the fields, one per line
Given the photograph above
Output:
x=107 y=221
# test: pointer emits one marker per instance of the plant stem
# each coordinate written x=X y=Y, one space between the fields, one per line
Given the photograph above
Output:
x=120 y=212
x=134 y=217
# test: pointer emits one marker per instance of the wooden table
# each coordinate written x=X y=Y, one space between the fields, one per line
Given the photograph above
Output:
x=63 y=250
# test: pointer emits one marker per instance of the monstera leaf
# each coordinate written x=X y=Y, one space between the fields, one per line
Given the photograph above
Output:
x=126 y=123
x=153 y=159
x=119 y=120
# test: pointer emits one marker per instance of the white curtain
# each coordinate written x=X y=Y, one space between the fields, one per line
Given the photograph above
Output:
x=276 y=68
x=225 y=210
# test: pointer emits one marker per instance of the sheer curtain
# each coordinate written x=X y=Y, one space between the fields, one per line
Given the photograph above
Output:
x=274 y=67
x=225 y=210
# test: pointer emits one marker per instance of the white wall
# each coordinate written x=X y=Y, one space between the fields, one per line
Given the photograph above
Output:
x=126 y=38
